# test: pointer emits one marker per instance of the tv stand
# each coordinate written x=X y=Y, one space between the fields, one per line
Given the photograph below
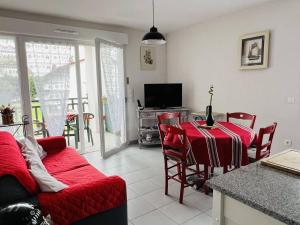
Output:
x=148 y=134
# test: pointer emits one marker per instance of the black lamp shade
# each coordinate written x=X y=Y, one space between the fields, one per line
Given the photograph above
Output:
x=153 y=37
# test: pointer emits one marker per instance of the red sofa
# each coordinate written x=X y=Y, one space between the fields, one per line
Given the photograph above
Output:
x=91 y=197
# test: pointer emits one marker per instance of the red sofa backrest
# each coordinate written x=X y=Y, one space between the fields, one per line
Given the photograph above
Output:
x=13 y=163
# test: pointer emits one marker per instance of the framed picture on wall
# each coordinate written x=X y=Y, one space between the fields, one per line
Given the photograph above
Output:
x=148 y=58
x=254 y=51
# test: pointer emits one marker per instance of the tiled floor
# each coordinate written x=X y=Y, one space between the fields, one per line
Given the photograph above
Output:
x=143 y=171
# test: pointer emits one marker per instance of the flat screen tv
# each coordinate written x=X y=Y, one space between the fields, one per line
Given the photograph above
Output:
x=163 y=95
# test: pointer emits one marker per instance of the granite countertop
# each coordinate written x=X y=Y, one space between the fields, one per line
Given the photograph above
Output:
x=268 y=190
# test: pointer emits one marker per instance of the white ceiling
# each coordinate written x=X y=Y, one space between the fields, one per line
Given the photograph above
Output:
x=170 y=14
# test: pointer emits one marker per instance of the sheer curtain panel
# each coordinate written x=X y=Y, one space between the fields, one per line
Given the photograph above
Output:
x=50 y=65
x=113 y=91
x=9 y=77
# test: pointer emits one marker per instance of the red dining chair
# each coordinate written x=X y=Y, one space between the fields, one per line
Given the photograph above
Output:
x=170 y=118
x=175 y=148
x=260 y=150
x=242 y=116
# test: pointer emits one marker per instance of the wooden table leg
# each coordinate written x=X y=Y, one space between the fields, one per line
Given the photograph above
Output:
x=212 y=170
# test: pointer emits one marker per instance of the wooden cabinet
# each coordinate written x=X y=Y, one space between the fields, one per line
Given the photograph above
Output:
x=228 y=211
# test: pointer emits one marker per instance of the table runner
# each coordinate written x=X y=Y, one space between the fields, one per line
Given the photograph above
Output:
x=225 y=145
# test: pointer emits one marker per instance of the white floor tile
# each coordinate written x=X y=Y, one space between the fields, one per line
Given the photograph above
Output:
x=152 y=171
x=201 y=219
x=158 y=198
x=160 y=180
x=180 y=212
x=137 y=176
x=209 y=212
x=131 y=194
x=174 y=190
x=138 y=207
x=199 y=200
x=143 y=187
x=153 y=218
x=143 y=171
x=120 y=170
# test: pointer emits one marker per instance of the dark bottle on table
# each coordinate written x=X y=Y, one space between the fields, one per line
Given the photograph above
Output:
x=209 y=117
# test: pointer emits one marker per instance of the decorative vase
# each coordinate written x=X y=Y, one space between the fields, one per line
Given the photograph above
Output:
x=7 y=119
x=209 y=117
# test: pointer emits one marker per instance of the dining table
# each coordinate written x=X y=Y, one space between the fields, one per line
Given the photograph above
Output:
x=225 y=144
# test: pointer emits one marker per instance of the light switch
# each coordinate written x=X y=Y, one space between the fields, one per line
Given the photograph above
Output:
x=291 y=100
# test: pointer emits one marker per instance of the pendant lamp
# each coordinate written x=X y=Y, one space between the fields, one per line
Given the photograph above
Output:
x=153 y=37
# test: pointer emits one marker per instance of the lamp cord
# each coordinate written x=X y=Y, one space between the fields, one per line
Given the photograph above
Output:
x=153 y=12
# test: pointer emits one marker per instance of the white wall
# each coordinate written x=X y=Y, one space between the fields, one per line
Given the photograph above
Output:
x=39 y=28
x=207 y=53
x=137 y=77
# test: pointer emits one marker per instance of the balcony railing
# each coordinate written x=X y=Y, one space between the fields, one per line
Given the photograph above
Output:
x=38 y=119
x=72 y=106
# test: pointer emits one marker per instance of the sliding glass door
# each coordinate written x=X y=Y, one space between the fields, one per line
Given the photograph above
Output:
x=111 y=80
x=67 y=89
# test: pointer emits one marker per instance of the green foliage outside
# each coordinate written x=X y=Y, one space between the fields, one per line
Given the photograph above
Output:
x=36 y=111
x=32 y=88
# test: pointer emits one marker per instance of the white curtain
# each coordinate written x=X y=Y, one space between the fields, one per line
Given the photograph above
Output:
x=9 y=78
x=49 y=65
x=112 y=72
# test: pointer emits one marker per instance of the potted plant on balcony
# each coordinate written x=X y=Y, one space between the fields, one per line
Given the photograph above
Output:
x=7 y=114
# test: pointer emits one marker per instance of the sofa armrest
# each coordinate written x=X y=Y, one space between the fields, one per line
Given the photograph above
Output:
x=52 y=144
x=80 y=201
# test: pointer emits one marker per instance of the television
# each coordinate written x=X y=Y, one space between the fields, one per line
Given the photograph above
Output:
x=163 y=95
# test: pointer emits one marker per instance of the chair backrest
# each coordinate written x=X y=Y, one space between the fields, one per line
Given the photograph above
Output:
x=162 y=118
x=87 y=117
x=242 y=116
x=173 y=137
x=169 y=116
x=264 y=149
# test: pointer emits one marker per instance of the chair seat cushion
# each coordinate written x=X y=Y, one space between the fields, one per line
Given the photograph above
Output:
x=173 y=154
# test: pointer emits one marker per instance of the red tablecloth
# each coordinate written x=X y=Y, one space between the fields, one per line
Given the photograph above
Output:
x=225 y=145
